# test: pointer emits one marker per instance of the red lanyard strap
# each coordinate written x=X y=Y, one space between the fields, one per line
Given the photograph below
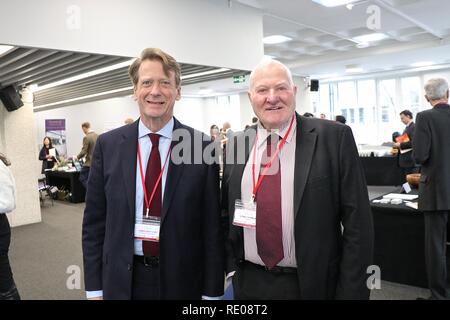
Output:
x=149 y=201
x=261 y=176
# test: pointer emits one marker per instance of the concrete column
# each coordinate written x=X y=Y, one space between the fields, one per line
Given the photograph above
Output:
x=18 y=142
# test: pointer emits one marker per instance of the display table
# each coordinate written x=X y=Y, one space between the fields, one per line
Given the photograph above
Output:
x=69 y=181
x=399 y=243
x=382 y=171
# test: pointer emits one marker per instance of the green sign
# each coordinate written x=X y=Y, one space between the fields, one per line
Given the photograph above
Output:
x=239 y=79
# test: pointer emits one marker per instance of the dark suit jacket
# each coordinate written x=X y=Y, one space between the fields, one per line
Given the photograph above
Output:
x=329 y=189
x=191 y=242
x=405 y=160
x=431 y=146
x=46 y=164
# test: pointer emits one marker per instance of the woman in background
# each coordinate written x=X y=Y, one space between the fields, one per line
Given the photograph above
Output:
x=48 y=161
x=8 y=290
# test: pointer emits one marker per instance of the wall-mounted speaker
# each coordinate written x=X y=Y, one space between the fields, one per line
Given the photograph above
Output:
x=314 y=85
x=10 y=98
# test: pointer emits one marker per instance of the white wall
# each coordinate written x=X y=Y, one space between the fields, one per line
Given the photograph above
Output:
x=205 y=32
x=303 y=99
x=246 y=110
x=111 y=113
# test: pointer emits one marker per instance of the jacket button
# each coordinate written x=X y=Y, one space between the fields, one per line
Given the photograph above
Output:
x=129 y=267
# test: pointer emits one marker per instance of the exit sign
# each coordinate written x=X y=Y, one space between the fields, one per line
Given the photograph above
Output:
x=239 y=79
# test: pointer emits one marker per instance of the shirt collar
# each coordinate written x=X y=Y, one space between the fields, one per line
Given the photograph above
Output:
x=165 y=131
x=263 y=134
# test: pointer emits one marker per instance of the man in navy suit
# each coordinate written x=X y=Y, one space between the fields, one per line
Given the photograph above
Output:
x=151 y=227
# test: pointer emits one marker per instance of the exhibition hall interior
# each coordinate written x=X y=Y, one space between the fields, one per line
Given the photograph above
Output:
x=65 y=63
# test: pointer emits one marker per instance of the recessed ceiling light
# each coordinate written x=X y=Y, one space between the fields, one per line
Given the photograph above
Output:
x=362 y=45
x=4 y=49
x=276 y=39
x=353 y=68
x=371 y=37
x=422 y=64
x=333 y=3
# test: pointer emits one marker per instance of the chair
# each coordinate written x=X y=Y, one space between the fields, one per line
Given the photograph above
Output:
x=44 y=190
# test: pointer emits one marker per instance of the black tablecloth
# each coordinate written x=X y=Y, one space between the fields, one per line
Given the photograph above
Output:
x=69 y=181
x=382 y=171
x=399 y=243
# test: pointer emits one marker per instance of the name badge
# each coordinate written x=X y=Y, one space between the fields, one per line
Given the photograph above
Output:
x=245 y=214
x=147 y=229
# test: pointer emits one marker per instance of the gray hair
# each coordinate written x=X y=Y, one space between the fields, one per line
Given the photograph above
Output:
x=436 y=88
x=266 y=62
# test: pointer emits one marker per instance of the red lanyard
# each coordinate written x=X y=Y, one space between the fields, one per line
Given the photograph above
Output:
x=261 y=176
x=147 y=201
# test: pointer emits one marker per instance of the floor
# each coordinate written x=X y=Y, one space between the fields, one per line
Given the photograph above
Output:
x=46 y=257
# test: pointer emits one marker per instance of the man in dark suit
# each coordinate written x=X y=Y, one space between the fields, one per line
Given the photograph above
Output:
x=431 y=147
x=151 y=227
x=294 y=189
x=405 y=159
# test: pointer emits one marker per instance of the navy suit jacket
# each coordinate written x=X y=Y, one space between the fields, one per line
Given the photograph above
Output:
x=191 y=240
x=329 y=190
x=405 y=160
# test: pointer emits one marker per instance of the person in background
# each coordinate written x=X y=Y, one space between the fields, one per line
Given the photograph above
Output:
x=214 y=132
x=151 y=227
x=404 y=145
x=341 y=119
x=323 y=116
x=86 y=152
x=300 y=225
x=48 y=160
x=8 y=289
x=226 y=129
x=431 y=149
x=128 y=121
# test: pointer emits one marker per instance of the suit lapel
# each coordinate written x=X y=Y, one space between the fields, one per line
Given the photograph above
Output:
x=304 y=150
x=174 y=173
x=128 y=149
x=237 y=170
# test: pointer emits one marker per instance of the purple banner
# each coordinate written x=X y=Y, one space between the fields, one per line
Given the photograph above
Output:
x=55 y=129
x=55 y=124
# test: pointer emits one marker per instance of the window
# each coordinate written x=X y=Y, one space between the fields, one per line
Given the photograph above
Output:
x=385 y=114
x=411 y=93
x=361 y=115
x=352 y=115
x=346 y=97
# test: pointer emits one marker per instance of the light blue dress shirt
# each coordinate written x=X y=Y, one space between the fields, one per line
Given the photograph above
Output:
x=146 y=146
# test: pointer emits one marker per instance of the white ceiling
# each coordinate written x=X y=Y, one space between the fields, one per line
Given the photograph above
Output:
x=418 y=30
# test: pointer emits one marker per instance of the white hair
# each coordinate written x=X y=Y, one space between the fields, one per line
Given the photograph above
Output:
x=266 y=62
x=436 y=88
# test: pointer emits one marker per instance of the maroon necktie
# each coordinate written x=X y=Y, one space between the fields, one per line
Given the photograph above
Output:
x=151 y=248
x=269 y=238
